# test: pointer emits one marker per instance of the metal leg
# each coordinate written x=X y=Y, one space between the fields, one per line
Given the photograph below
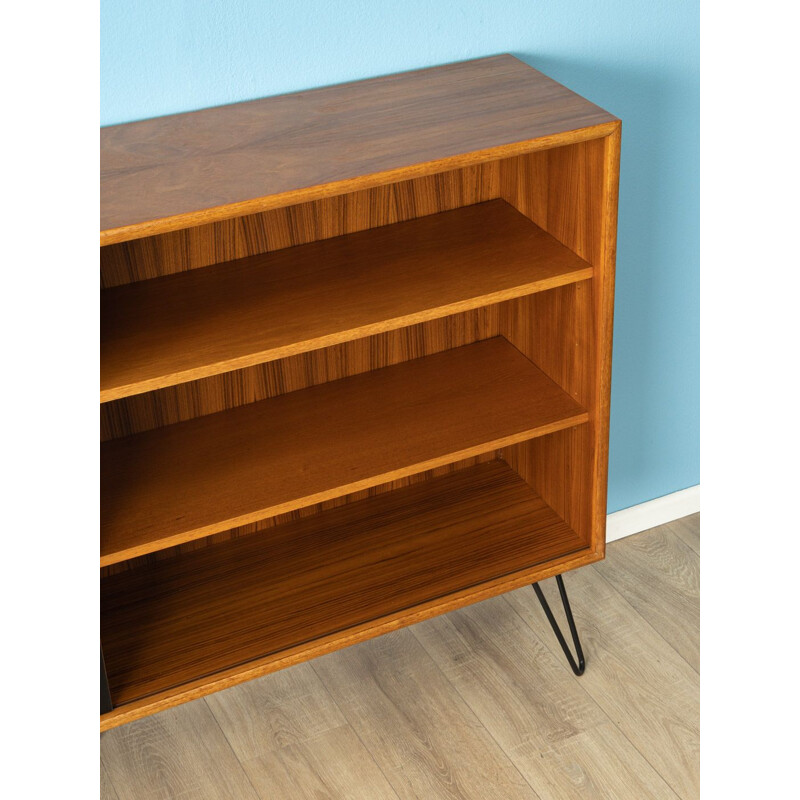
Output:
x=105 y=695
x=581 y=665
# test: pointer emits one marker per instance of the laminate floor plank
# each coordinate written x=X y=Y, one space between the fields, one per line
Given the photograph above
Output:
x=286 y=708
x=659 y=575
x=179 y=753
x=107 y=791
x=293 y=741
x=600 y=763
x=688 y=530
x=335 y=764
x=644 y=686
x=554 y=732
x=422 y=735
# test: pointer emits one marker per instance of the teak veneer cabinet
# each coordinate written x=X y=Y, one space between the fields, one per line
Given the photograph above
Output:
x=355 y=367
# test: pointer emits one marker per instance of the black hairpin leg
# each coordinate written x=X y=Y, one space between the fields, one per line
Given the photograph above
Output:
x=581 y=664
x=105 y=695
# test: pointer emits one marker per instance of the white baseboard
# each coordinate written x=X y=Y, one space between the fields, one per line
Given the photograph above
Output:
x=652 y=513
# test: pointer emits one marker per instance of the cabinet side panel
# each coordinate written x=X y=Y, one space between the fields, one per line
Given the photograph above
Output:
x=558 y=466
x=214 y=243
x=572 y=193
x=555 y=330
x=604 y=326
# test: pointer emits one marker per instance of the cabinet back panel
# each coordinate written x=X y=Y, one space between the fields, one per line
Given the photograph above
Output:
x=214 y=243
x=231 y=389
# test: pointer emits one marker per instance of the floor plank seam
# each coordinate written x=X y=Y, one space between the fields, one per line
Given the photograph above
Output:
x=109 y=778
x=672 y=527
x=559 y=657
x=355 y=732
x=675 y=565
x=658 y=634
x=256 y=793
x=644 y=619
x=475 y=714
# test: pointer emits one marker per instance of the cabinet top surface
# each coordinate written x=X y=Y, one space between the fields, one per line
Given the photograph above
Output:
x=188 y=169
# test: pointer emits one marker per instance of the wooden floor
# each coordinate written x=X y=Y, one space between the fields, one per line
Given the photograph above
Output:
x=478 y=703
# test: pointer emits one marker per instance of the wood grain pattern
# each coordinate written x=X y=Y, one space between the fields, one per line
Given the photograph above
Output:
x=294 y=742
x=184 y=327
x=186 y=481
x=638 y=680
x=334 y=764
x=687 y=529
x=208 y=244
x=107 y=791
x=554 y=329
x=296 y=709
x=157 y=409
x=603 y=321
x=422 y=734
x=149 y=559
x=298 y=224
x=287 y=227
x=187 y=169
x=557 y=736
x=672 y=607
x=172 y=755
x=264 y=594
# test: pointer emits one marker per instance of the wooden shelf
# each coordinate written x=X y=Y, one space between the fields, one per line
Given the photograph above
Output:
x=189 y=480
x=203 y=322
x=331 y=575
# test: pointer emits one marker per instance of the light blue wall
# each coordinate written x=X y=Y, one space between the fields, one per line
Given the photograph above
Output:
x=638 y=59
